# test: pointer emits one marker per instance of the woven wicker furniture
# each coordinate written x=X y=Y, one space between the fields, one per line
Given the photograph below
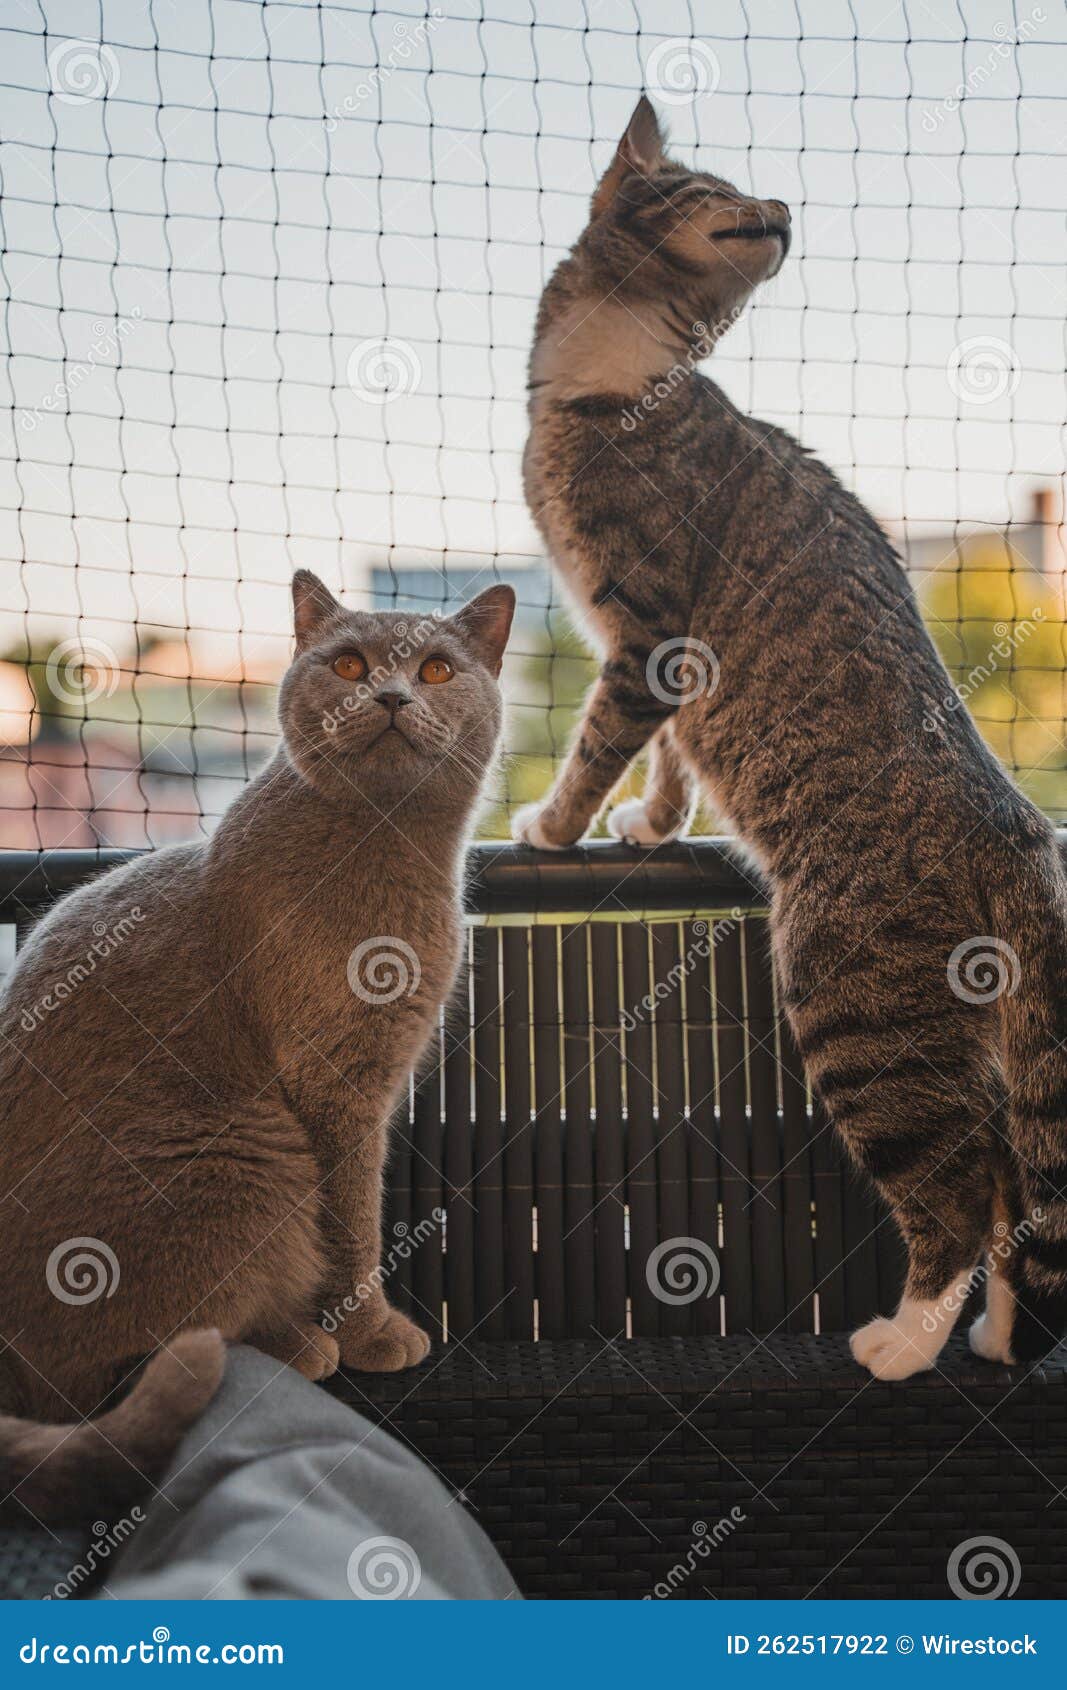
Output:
x=614 y=1095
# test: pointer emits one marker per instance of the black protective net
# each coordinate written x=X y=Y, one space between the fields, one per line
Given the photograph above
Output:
x=268 y=280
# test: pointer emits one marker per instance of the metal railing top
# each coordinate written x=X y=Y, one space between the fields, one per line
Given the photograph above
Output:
x=503 y=879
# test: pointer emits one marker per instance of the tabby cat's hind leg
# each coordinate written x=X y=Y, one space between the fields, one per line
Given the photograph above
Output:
x=944 y=1213
x=990 y=1336
x=916 y=1111
x=664 y=811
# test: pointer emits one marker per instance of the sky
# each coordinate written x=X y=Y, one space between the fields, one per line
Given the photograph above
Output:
x=269 y=272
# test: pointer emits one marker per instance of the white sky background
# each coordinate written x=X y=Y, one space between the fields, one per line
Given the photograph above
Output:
x=246 y=254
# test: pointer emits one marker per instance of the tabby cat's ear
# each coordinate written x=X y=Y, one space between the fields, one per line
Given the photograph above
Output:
x=485 y=623
x=313 y=606
x=641 y=151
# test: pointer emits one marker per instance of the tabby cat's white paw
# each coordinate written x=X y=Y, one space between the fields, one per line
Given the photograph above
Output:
x=629 y=822
x=989 y=1342
x=527 y=829
x=888 y=1351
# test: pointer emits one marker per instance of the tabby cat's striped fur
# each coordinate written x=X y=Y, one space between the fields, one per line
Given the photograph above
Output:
x=888 y=833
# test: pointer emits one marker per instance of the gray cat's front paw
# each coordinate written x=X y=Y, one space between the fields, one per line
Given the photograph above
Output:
x=396 y=1344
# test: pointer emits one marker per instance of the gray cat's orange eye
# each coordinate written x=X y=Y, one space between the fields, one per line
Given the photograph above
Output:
x=350 y=666
x=435 y=670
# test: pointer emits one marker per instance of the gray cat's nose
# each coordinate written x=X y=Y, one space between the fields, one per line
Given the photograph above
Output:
x=394 y=698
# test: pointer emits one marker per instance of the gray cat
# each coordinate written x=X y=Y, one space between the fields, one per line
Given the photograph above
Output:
x=200 y=1052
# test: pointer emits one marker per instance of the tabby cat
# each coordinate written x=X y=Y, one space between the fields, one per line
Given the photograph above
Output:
x=759 y=635
x=200 y=1052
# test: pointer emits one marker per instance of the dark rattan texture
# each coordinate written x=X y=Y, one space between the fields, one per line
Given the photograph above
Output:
x=649 y=1445
x=599 y=1470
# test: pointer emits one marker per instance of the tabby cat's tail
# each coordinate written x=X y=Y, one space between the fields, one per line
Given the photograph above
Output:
x=64 y=1473
x=1032 y=926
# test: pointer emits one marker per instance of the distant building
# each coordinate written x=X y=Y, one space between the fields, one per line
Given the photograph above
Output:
x=414 y=581
x=1039 y=542
x=82 y=791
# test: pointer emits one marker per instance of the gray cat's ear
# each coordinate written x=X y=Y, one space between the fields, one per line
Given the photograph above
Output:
x=641 y=151
x=313 y=606
x=485 y=623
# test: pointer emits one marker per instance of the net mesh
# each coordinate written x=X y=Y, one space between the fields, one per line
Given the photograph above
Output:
x=268 y=281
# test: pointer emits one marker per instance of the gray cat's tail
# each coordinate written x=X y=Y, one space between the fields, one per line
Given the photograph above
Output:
x=1031 y=923
x=65 y=1473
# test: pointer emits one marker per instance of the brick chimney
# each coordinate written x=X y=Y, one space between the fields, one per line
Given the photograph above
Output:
x=1047 y=517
